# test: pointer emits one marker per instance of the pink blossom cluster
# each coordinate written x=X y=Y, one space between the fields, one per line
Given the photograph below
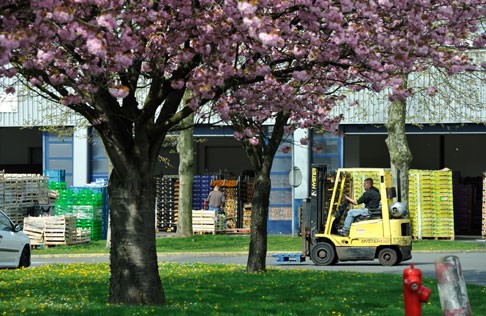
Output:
x=252 y=59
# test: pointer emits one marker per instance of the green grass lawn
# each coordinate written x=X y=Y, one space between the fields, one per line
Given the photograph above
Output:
x=199 y=289
x=238 y=243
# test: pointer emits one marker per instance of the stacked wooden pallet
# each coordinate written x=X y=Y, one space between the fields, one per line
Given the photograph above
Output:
x=54 y=230
x=20 y=192
x=34 y=228
x=60 y=230
x=206 y=222
x=83 y=235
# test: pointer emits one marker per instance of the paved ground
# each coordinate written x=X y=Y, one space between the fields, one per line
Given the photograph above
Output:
x=472 y=263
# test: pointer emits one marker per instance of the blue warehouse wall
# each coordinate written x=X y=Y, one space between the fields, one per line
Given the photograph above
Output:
x=98 y=160
x=283 y=208
x=58 y=154
x=327 y=149
x=280 y=209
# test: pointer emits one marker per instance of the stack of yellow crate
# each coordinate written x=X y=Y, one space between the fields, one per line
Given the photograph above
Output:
x=420 y=203
x=444 y=227
x=359 y=176
x=430 y=204
x=230 y=189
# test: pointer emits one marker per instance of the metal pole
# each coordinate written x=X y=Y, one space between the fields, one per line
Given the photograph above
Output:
x=293 y=186
x=452 y=287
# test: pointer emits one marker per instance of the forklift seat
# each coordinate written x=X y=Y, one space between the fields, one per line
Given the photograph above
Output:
x=374 y=213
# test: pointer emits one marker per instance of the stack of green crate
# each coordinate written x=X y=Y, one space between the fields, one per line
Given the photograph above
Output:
x=56 y=185
x=86 y=205
x=88 y=211
x=430 y=204
x=64 y=203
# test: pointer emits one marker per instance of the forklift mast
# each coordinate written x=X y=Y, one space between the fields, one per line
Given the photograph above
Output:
x=318 y=190
x=313 y=213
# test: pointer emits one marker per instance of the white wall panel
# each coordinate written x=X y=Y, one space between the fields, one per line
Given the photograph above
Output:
x=33 y=110
x=460 y=99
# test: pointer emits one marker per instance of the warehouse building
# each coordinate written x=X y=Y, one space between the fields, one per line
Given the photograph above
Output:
x=29 y=145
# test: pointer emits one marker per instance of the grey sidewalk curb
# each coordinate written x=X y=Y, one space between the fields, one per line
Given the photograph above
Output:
x=207 y=254
x=159 y=254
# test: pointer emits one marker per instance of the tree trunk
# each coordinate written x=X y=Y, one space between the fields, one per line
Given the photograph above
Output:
x=261 y=157
x=400 y=154
x=135 y=278
x=259 y=216
x=108 y=233
x=133 y=143
x=185 y=148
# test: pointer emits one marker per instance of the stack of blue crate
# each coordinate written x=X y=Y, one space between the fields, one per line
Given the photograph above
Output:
x=200 y=190
x=56 y=179
x=56 y=175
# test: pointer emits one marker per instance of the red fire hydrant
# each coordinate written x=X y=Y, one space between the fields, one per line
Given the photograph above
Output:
x=414 y=293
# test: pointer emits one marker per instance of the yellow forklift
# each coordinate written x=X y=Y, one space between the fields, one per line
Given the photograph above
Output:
x=384 y=235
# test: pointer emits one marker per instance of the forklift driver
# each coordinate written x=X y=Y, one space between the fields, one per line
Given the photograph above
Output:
x=371 y=200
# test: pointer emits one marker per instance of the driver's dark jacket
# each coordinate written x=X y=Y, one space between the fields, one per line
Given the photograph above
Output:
x=370 y=198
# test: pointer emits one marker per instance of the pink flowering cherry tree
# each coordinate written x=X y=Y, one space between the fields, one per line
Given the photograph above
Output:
x=347 y=46
x=125 y=65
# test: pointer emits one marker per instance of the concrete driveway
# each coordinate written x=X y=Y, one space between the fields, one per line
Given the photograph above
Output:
x=473 y=263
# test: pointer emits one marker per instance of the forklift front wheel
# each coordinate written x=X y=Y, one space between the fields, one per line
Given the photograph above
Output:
x=323 y=254
x=388 y=257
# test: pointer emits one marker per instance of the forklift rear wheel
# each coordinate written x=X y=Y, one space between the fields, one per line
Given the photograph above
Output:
x=323 y=254
x=388 y=257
